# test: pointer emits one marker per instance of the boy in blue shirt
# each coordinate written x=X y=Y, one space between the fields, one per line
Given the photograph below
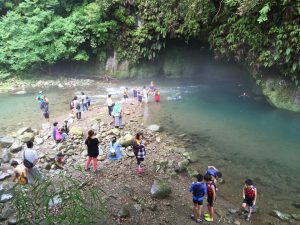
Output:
x=198 y=189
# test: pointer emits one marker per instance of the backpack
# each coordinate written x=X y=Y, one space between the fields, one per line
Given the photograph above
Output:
x=78 y=106
x=26 y=163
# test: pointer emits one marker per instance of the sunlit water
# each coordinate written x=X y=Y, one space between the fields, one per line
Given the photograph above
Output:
x=244 y=136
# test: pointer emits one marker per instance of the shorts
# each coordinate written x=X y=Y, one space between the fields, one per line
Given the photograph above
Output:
x=198 y=201
x=210 y=201
x=134 y=95
x=125 y=96
x=249 y=201
x=46 y=115
x=140 y=99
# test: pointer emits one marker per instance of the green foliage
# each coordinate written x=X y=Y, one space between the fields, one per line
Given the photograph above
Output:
x=63 y=201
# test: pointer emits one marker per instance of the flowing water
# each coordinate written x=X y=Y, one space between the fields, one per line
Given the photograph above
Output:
x=244 y=137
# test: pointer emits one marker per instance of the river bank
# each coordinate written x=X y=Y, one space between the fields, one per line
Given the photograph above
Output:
x=128 y=192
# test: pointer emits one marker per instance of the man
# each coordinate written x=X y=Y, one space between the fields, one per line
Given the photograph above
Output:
x=30 y=158
x=84 y=102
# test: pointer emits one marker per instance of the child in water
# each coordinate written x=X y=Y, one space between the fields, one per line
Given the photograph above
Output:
x=198 y=189
x=249 y=196
x=211 y=197
x=157 y=96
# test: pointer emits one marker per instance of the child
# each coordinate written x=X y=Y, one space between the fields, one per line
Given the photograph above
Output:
x=65 y=127
x=114 y=150
x=139 y=151
x=157 y=96
x=198 y=189
x=211 y=197
x=249 y=196
x=19 y=172
x=59 y=161
x=93 y=150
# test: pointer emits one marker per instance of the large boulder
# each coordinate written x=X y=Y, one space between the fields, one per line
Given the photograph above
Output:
x=16 y=146
x=154 y=128
x=182 y=165
x=126 y=141
x=6 y=141
x=4 y=175
x=76 y=131
x=27 y=136
x=6 y=156
x=191 y=156
x=23 y=130
x=160 y=189
x=5 y=198
x=114 y=131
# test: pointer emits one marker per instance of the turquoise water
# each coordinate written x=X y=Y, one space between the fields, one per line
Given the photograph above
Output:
x=244 y=137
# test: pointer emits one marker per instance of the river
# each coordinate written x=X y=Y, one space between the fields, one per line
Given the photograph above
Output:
x=244 y=137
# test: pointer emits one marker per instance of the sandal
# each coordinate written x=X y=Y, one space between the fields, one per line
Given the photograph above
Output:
x=198 y=220
x=192 y=216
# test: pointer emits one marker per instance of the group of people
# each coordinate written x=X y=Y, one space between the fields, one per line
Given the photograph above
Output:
x=80 y=104
x=60 y=133
x=43 y=104
x=208 y=187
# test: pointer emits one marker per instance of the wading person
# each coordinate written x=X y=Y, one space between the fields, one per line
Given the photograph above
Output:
x=211 y=198
x=140 y=97
x=93 y=150
x=139 y=151
x=77 y=108
x=249 y=197
x=157 y=96
x=84 y=101
x=135 y=95
x=40 y=100
x=198 y=190
x=145 y=95
x=46 y=111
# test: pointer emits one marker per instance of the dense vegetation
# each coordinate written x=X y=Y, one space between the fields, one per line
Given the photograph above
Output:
x=263 y=34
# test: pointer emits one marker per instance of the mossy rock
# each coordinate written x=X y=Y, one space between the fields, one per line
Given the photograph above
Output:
x=76 y=131
x=27 y=136
x=160 y=189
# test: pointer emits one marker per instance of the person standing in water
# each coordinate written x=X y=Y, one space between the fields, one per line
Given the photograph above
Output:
x=157 y=96
x=249 y=197
x=84 y=101
x=139 y=151
x=39 y=97
x=72 y=106
x=135 y=95
x=46 y=111
x=145 y=95
x=198 y=189
x=93 y=150
x=77 y=108
x=140 y=97
x=110 y=104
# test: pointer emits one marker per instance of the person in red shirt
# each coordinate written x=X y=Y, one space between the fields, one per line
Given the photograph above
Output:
x=157 y=96
x=249 y=196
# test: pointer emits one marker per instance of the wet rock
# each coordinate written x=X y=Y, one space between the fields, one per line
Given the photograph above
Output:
x=5 y=198
x=296 y=205
x=7 y=212
x=280 y=215
x=76 y=131
x=233 y=211
x=296 y=216
x=22 y=130
x=60 y=85
x=27 y=136
x=182 y=165
x=154 y=128
x=138 y=208
x=16 y=146
x=123 y=213
x=6 y=142
x=126 y=141
x=192 y=157
x=4 y=175
x=12 y=220
x=6 y=156
x=160 y=189
x=192 y=173
x=20 y=92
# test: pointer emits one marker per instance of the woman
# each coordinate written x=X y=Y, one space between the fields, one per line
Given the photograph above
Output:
x=139 y=151
x=117 y=114
x=114 y=150
x=93 y=151
x=77 y=108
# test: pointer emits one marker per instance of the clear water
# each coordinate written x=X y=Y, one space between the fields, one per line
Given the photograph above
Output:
x=244 y=137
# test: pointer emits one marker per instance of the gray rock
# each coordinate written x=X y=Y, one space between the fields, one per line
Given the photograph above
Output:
x=39 y=141
x=182 y=165
x=233 y=211
x=123 y=213
x=160 y=189
x=296 y=205
x=76 y=131
x=5 y=198
x=6 y=186
x=138 y=208
x=7 y=212
x=27 y=136
x=21 y=131
x=6 y=156
x=95 y=127
x=296 y=216
x=4 y=175
x=154 y=128
x=12 y=220
x=16 y=146
x=6 y=141
x=192 y=173
x=126 y=141
x=192 y=157
x=20 y=92
x=114 y=131
x=280 y=215
x=55 y=201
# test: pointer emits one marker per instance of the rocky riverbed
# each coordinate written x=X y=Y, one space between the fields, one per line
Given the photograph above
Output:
x=159 y=196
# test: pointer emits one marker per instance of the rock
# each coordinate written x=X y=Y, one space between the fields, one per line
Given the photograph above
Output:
x=130 y=154
x=114 y=131
x=21 y=131
x=5 y=198
x=7 y=212
x=160 y=189
x=158 y=139
x=233 y=211
x=95 y=127
x=84 y=153
x=182 y=165
x=6 y=141
x=154 y=128
x=296 y=216
x=76 y=131
x=6 y=186
x=296 y=205
x=101 y=157
x=192 y=173
x=236 y=222
x=138 y=208
x=280 y=215
x=192 y=157
x=55 y=201
x=127 y=112
x=179 y=150
x=27 y=136
x=126 y=141
x=6 y=156
x=16 y=146
x=4 y=175
x=47 y=166
x=60 y=85
x=39 y=141
x=46 y=126
x=123 y=213
x=20 y=92
x=12 y=220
